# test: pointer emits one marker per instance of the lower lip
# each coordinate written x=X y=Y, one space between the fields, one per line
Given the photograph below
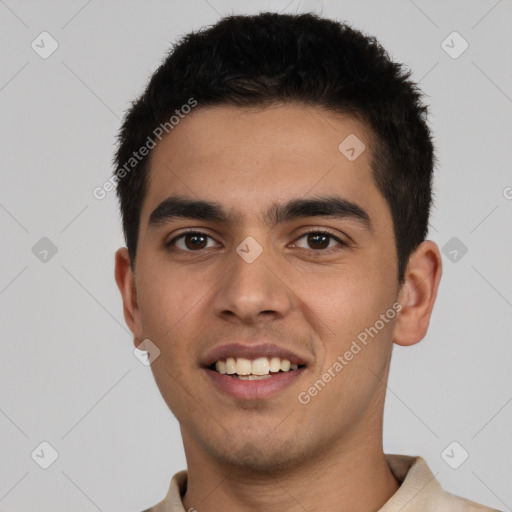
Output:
x=253 y=389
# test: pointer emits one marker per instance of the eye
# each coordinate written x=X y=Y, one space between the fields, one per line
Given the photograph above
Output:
x=320 y=240
x=317 y=240
x=191 y=241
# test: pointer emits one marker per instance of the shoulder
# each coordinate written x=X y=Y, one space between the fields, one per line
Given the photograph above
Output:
x=447 y=501
x=420 y=491
x=172 y=500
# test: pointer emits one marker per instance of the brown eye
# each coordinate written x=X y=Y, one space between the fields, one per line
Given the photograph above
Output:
x=195 y=241
x=190 y=241
x=320 y=240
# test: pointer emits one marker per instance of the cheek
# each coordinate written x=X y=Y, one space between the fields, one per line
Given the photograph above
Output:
x=345 y=296
x=344 y=305
x=356 y=342
x=167 y=297
x=169 y=302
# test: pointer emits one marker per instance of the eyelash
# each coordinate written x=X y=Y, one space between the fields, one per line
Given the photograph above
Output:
x=321 y=231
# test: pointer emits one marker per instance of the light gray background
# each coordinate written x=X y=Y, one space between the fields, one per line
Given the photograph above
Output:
x=68 y=374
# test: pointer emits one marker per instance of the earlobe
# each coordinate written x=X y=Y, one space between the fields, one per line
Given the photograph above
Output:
x=418 y=294
x=126 y=283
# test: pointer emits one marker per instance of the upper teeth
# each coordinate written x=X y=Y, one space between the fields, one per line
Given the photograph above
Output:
x=259 y=366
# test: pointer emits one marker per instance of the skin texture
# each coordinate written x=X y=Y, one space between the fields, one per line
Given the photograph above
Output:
x=275 y=453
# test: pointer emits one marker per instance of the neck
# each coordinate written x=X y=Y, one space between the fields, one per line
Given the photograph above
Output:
x=354 y=476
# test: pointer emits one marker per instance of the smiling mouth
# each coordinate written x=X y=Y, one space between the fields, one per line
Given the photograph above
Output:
x=257 y=369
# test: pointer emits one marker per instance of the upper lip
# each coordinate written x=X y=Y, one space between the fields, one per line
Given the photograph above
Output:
x=251 y=352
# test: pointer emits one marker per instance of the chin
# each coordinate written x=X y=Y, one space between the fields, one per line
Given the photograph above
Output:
x=261 y=458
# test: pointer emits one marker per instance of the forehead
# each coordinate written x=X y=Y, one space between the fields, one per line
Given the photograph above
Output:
x=251 y=158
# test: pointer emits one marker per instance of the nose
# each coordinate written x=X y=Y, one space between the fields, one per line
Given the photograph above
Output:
x=250 y=292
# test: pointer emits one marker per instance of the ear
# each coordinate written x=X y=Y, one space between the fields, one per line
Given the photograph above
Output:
x=418 y=294
x=125 y=280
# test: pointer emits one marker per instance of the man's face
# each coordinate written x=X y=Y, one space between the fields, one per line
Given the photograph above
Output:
x=305 y=293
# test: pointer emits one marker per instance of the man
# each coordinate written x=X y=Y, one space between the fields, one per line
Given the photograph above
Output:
x=275 y=187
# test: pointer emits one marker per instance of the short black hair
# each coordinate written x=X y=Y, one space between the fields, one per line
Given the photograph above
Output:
x=271 y=59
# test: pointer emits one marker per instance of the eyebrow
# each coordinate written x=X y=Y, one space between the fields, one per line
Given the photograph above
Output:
x=331 y=206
